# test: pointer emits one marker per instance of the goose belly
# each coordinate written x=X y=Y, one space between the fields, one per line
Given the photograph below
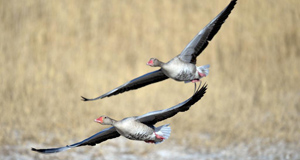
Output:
x=135 y=131
x=182 y=72
x=140 y=136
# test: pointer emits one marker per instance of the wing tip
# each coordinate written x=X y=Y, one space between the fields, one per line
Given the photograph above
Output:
x=38 y=150
x=205 y=85
x=92 y=99
x=202 y=90
x=232 y=4
x=51 y=150
x=84 y=99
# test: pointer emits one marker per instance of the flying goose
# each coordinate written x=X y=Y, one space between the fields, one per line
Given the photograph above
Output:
x=135 y=128
x=182 y=67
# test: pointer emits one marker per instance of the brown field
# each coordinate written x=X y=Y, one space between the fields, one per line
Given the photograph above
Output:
x=52 y=52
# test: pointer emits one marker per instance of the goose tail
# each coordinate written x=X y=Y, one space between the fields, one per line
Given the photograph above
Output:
x=163 y=131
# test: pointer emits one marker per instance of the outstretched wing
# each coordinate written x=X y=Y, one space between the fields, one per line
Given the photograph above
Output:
x=156 y=116
x=99 y=137
x=136 y=83
x=200 y=41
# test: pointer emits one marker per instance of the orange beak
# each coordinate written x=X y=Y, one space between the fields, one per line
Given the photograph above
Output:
x=99 y=120
x=150 y=62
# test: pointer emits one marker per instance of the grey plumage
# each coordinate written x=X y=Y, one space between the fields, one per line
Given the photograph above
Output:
x=148 y=119
x=181 y=67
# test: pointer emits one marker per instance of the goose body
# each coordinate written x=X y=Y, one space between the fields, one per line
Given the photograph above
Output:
x=183 y=66
x=180 y=71
x=139 y=128
x=132 y=129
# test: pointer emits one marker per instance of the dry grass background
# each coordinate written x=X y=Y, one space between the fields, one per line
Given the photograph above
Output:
x=52 y=52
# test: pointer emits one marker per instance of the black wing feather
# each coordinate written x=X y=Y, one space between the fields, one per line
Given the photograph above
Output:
x=99 y=137
x=156 y=116
x=136 y=83
x=201 y=40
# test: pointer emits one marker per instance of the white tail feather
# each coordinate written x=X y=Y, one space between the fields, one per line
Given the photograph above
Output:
x=163 y=131
x=204 y=69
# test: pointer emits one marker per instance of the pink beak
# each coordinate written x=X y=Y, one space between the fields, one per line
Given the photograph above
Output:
x=150 y=63
x=99 y=120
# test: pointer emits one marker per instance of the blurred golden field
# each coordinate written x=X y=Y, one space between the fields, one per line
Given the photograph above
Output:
x=53 y=52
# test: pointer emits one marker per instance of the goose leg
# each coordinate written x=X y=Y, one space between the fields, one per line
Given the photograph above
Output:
x=158 y=136
x=195 y=81
x=149 y=141
x=199 y=85
x=195 y=88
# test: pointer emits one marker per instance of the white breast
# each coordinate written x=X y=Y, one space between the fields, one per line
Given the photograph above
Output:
x=132 y=129
x=179 y=70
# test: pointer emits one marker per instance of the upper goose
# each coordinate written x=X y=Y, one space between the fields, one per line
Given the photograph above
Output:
x=135 y=128
x=182 y=67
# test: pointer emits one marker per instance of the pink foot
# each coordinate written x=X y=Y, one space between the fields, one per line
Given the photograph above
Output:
x=195 y=80
x=202 y=74
x=149 y=141
x=159 y=137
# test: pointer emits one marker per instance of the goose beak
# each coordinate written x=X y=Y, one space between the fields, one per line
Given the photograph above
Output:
x=150 y=62
x=99 y=120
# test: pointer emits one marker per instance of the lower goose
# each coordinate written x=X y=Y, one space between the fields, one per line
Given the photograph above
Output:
x=135 y=128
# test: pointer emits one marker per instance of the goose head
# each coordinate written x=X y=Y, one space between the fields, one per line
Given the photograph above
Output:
x=153 y=62
x=104 y=120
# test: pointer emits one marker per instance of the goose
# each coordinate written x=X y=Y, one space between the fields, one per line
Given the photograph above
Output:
x=182 y=67
x=139 y=128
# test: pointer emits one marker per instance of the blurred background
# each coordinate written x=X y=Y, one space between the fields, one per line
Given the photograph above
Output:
x=53 y=52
